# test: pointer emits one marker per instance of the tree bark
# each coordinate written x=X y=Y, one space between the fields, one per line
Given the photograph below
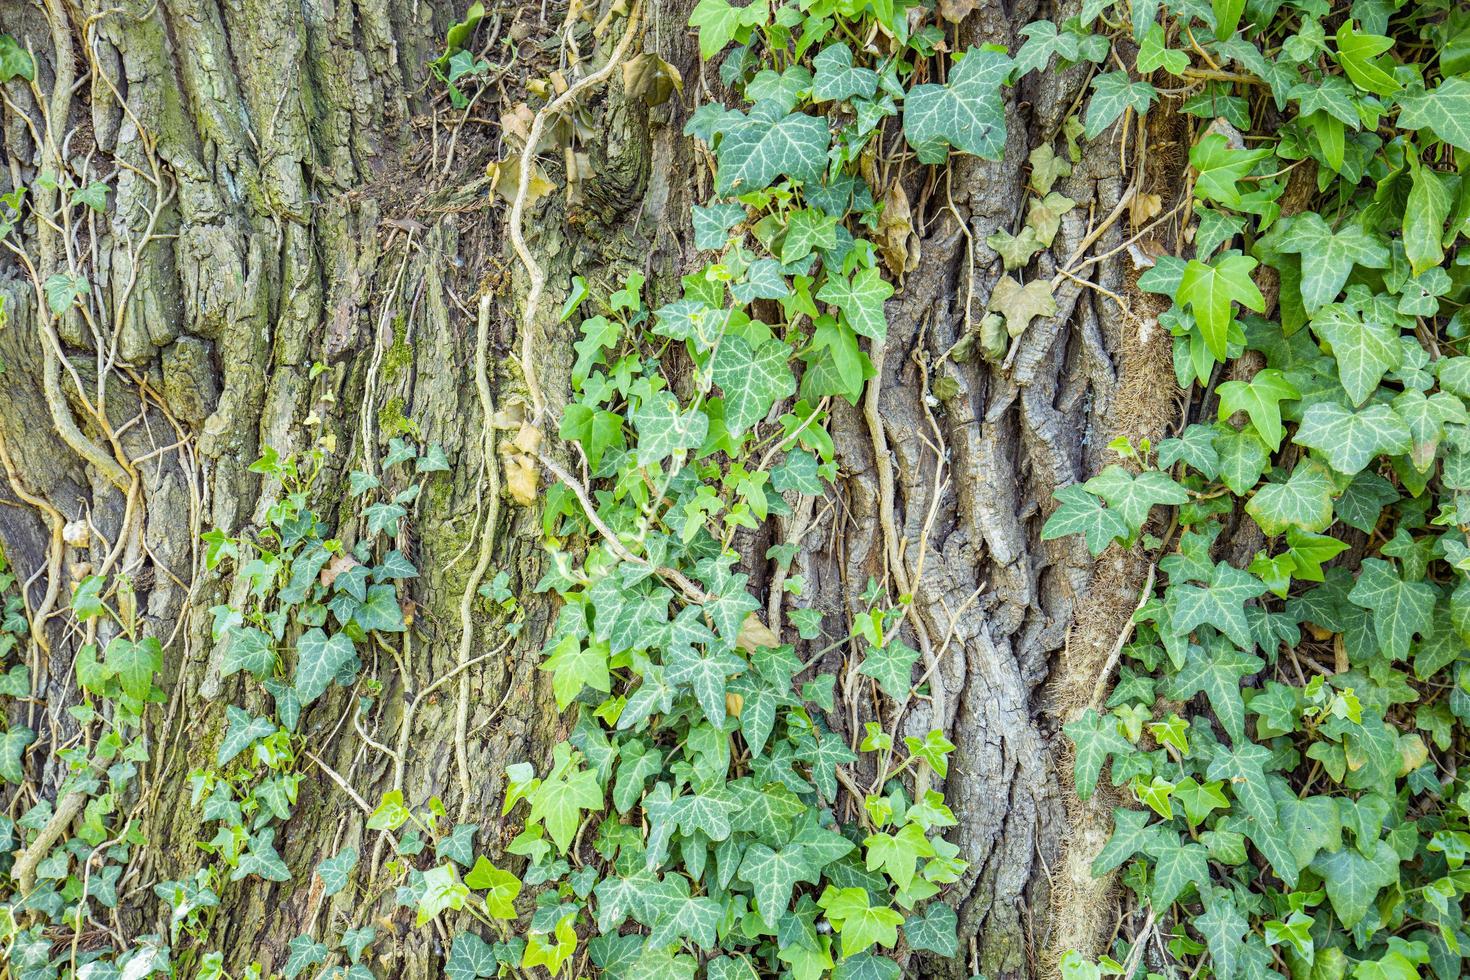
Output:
x=290 y=189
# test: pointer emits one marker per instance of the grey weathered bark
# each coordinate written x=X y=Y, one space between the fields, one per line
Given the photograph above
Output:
x=287 y=191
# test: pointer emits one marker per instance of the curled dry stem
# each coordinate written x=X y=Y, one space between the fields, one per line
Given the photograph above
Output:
x=518 y=208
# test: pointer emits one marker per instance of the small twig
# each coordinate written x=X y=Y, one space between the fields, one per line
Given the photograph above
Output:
x=1101 y=686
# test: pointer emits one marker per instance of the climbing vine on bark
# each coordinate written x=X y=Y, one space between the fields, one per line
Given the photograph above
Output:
x=1310 y=819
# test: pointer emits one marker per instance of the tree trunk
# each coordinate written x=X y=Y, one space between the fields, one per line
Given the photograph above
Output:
x=299 y=235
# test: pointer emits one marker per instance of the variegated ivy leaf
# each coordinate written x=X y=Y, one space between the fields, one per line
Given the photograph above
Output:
x=242 y=731
x=319 y=658
x=1304 y=501
x=768 y=144
x=773 y=875
x=706 y=676
x=303 y=954
x=1328 y=256
x=247 y=648
x=712 y=223
x=1112 y=93
x=1216 y=671
x=966 y=113
x=1353 y=878
x=663 y=429
x=1401 y=609
x=1351 y=440
x=861 y=300
x=836 y=78
x=334 y=871
x=752 y=379
x=763 y=280
x=1443 y=110
x=1094 y=739
x=1082 y=513
x=1365 y=348
x=1134 y=496
x=1219 y=603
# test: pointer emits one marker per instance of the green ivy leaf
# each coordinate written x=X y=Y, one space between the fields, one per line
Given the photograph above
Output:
x=1094 y=739
x=1154 y=53
x=134 y=663
x=354 y=941
x=1209 y=291
x=1132 y=497
x=1358 y=55
x=442 y=891
x=500 y=888
x=1223 y=928
x=247 y=648
x=1132 y=833
x=1350 y=440
x=1221 y=169
x=769 y=144
x=1112 y=93
x=15 y=61
x=753 y=379
x=574 y=665
x=712 y=224
x=1400 y=609
x=719 y=22
x=1260 y=398
x=63 y=290
x=335 y=871
x=1444 y=111
x=836 y=79
x=13 y=744
x=677 y=916
x=897 y=854
x=560 y=799
x=861 y=301
x=966 y=113
x=705 y=674
x=380 y=611
x=319 y=658
x=1365 y=349
x=859 y=923
x=1303 y=502
x=1429 y=205
x=1328 y=257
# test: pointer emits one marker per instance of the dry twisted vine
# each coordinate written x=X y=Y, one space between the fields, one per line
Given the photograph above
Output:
x=518 y=207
